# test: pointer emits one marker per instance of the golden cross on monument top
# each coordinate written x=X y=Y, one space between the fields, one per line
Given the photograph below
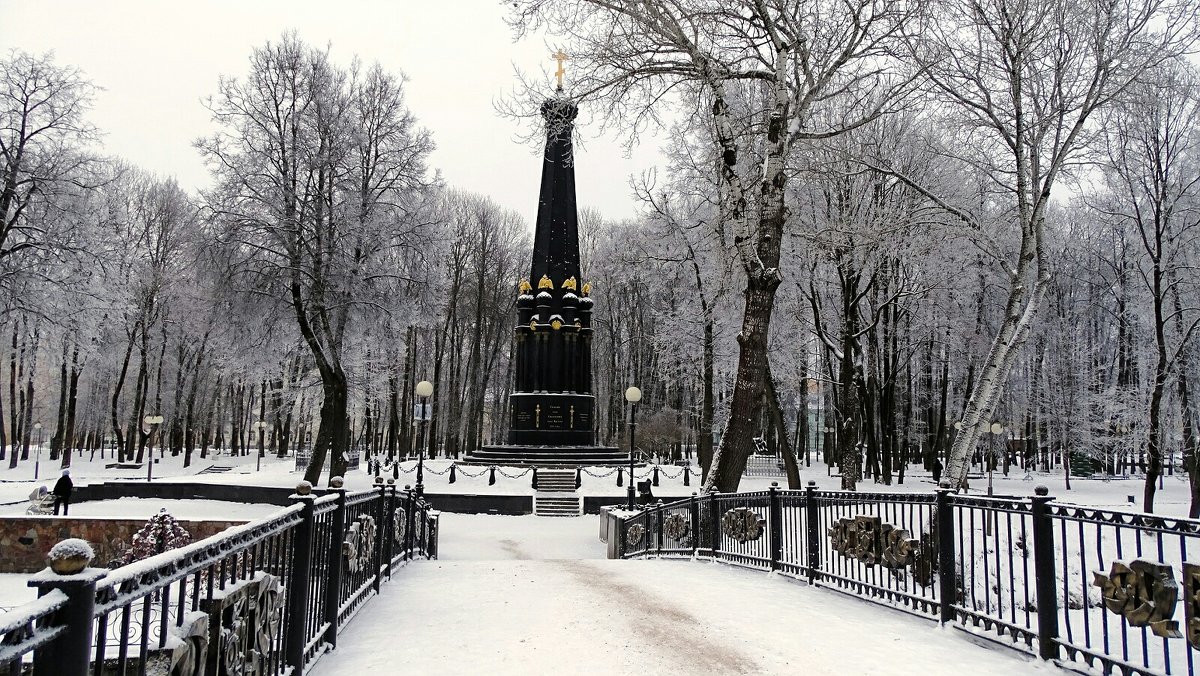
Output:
x=559 y=56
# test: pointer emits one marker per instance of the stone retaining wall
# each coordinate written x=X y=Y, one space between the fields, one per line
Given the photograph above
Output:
x=24 y=540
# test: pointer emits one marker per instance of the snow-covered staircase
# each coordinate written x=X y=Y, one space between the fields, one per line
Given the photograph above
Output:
x=557 y=504
x=215 y=469
x=554 y=494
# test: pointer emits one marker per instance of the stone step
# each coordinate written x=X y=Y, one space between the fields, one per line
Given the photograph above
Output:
x=555 y=483
x=556 y=505
x=215 y=469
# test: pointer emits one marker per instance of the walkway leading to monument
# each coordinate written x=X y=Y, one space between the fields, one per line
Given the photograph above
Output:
x=529 y=595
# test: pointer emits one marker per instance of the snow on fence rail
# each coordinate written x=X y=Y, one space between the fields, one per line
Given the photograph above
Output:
x=1075 y=584
x=268 y=597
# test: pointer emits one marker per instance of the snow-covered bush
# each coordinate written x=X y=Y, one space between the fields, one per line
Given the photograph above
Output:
x=161 y=533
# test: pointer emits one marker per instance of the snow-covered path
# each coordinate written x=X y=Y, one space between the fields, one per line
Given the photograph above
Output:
x=529 y=595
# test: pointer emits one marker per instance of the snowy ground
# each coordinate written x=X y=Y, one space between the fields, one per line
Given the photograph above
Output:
x=522 y=595
x=14 y=591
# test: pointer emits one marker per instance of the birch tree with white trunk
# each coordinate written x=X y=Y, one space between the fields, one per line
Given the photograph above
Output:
x=1018 y=84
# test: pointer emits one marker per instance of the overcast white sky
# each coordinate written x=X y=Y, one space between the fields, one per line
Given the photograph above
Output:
x=157 y=59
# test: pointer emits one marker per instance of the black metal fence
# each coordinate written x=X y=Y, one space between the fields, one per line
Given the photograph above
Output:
x=268 y=597
x=1068 y=583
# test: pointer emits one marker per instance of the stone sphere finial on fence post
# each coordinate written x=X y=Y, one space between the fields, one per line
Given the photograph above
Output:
x=1041 y=490
x=70 y=556
x=336 y=482
x=303 y=488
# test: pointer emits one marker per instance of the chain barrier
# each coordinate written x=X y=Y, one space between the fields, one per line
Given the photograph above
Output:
x=506 y=475
x=653 y=472
x=472 y=476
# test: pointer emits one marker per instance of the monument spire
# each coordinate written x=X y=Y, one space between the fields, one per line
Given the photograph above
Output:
x=551 y=405
x=556 y=236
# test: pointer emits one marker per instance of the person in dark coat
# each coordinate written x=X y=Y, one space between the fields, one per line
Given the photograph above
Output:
x=937 y=470
x=62 y=492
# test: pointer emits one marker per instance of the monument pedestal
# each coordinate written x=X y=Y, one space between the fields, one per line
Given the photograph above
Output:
x=550 y=419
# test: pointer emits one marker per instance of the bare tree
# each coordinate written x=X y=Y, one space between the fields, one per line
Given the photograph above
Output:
x=43 y=139
x=1018 y=85
x=319 y=173
x=1152 y=170
x=758 y=71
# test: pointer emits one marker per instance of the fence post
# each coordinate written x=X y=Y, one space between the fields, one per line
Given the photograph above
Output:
x=381 y=533
x=694 y=512
x=1043 y=567
x=297 y=584
x=622 y=543
x=408 y=522
x=333 y=585
x=389 y=513
x=775 y=514
x=812 y=530
x=658 y=526
x=714 y=522
x=947 y=578
x=70 y=652
x=434 y=521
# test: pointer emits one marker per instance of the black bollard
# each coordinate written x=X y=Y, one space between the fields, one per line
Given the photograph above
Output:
x=452 y=473
x=578 y=478
x=620 y=476
x=687 y=476
x=492 y=476
x=654 y=478
x=533 y=484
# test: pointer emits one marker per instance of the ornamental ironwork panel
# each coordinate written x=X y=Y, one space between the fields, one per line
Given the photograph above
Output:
x=1191 y=603
x=677 y=527
x=871 y=541
x=1142 y=592
x=359 y=543
x=635 y=533
x=244 y=620
x=742 y=524
x=400 y=525
x=188 y=655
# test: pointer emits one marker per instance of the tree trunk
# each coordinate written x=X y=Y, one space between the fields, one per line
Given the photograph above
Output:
x=332 y=432
x=737 y=440
x=72 y=397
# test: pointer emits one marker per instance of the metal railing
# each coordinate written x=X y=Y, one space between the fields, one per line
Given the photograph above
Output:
x=1068 y=583
x=268 y=597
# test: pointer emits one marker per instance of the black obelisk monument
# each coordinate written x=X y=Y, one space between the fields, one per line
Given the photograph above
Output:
x=551 y=406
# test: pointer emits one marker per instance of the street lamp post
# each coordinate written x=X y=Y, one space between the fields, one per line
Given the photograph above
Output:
x=153 y=421
x=424 y=391
x=997 y=429
x=261 y=426
x=38 y=458
x=633 y=395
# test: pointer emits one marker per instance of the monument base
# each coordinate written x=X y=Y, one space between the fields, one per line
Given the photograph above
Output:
x=547 y=456
x=559 y=419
